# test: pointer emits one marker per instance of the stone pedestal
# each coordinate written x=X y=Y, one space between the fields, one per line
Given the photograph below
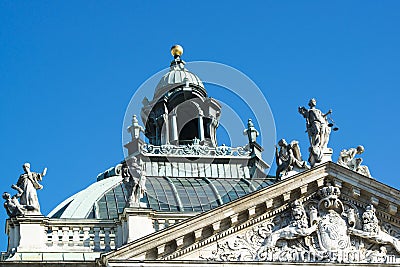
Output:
x=135 y=223
x=26 y=234
x=326 y=156
x=294 y=171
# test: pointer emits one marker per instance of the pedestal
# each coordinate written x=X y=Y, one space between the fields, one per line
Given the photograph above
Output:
x=26 y=234
x=326 y=156
x=135 y=223
x=294 y=171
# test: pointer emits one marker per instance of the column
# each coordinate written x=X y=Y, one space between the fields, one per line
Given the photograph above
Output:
x=174 y=127
x=201 y=127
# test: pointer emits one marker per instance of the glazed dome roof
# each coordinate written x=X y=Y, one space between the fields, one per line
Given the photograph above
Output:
x=106 y=198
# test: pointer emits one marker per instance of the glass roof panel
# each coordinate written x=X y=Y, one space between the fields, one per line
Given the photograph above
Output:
x=164 y=194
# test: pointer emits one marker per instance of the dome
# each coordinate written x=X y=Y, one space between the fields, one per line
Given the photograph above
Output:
x=177 y=75
x=106 y=198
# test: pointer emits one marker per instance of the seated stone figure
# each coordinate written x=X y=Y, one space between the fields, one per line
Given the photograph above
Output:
x=348 y=160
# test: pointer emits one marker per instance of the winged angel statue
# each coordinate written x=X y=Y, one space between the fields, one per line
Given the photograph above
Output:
x=288 y=158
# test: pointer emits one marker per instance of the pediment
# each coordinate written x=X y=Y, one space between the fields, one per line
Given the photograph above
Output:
x=326 y=214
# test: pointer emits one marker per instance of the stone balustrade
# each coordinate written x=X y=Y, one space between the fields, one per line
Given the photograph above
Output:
x=81 y=235
x=164 y=220
x=39 y=233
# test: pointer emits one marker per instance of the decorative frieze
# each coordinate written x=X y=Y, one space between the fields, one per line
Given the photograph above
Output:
x=195 y=149
x=320 y=229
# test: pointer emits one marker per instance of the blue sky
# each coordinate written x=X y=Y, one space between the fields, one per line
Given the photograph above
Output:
x=69 y=69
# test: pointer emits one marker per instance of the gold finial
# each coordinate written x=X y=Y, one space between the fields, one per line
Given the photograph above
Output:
x=177 y=50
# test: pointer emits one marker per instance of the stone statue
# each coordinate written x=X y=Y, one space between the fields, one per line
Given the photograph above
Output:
x=27 y=185
x=372 y=231
x=12 y=205
x=318 y=131
x=134 y=179
x=298 y=227
x=251 y=132
x=348 y=160
x=288 y=157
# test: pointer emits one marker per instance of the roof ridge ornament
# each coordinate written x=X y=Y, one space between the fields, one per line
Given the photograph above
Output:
x=177 y=63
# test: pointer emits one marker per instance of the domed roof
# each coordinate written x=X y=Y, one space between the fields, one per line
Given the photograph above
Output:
x=106 y=198
x=177 y=75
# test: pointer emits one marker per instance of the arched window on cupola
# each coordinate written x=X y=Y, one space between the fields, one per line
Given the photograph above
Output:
x=190 y=124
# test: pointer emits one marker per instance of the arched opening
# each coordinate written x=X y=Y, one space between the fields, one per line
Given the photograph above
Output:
x=188 y=123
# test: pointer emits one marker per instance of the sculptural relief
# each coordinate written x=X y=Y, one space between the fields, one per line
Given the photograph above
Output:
x=372 y=231
x=321 y=229
x=288 y=159
x=318 y=131
x=348 y=160
x=134 y=179
x=298 y=227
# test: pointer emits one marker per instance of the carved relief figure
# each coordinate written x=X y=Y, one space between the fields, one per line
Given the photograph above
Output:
x=288 y=157
x=27 y=185
x=134 y=179
x=372 y=231
x=348 y=160
x=298 y=227
x=317 y=129
x=322 y=229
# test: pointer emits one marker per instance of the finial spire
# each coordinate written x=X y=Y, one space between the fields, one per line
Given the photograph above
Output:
x=176 y=51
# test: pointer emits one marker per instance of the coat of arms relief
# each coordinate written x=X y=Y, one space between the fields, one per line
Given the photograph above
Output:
x=324 y=228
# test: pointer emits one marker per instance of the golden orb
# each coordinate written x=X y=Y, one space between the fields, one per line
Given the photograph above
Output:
x=177 y=50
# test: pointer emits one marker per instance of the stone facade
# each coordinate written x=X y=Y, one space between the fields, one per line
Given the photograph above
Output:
x=210 y=203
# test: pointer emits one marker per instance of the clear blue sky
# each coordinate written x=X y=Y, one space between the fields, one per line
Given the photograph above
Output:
x=68 y=70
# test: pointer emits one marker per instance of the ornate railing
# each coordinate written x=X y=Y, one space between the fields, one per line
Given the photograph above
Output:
x=195 y=149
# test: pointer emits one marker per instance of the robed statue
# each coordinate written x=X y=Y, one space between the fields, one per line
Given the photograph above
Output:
x=26 y=187
x=318 y=130
x=134 y=179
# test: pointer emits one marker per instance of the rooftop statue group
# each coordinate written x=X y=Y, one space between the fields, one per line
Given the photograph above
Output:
x=288 y=159
x=318 y=128
x=25 y=201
